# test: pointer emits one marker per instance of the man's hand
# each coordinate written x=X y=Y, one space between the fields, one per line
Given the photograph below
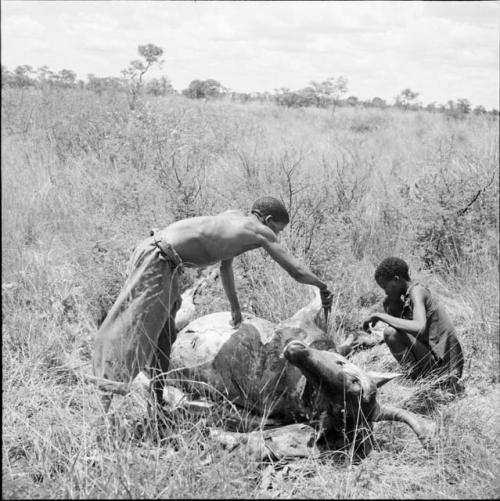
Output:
x=326 y=298
x=237 y=319
x=369 y=322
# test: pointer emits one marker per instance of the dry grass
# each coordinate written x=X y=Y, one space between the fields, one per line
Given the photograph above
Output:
x=83 y=179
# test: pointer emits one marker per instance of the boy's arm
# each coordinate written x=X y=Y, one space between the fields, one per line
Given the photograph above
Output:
x=227 y=278
x=414 y=326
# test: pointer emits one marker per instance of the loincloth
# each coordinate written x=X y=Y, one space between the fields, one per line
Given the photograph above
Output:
x=167 y=252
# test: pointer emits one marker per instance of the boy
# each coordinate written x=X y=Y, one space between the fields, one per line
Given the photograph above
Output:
x=420 y=334
x=139 y=330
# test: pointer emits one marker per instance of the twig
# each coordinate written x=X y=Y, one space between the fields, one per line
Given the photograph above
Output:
x=461 y=212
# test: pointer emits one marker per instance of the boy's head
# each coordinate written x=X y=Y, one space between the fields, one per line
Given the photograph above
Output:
x=271 y=212
x=391 y=275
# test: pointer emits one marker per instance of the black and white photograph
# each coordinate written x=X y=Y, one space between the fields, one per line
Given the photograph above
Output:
x=250 y=249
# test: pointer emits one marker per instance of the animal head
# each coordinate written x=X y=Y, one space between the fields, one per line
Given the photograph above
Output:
x=337 y=377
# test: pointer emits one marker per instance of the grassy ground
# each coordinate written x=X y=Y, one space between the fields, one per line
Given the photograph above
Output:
x=83 y=179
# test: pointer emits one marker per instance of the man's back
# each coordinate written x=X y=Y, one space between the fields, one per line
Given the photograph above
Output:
x=205 y=240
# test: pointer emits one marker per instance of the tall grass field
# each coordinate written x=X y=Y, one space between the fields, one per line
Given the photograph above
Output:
x=84 y=179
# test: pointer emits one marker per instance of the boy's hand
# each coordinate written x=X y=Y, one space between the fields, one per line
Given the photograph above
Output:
x=326 y=298
x=369 y=322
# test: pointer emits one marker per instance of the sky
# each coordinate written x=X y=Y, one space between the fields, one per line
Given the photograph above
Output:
x=442 y=50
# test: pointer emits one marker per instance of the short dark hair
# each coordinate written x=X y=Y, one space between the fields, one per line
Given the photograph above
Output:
x=390 y=267
x=269 y=206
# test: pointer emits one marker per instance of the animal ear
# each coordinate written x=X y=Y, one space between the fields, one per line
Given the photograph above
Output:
x=380 y=378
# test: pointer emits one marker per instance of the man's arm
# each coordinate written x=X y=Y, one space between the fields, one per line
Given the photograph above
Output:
x=227 y=278
x=292 y=266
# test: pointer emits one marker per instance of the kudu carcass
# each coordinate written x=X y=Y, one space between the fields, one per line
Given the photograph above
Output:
x=290 y=373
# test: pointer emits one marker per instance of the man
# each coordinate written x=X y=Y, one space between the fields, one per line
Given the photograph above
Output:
x=139 y=330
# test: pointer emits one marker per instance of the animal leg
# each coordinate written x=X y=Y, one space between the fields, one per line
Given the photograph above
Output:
x=423 y=428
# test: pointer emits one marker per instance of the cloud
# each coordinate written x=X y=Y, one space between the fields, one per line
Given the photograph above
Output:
x=477 y=13
x=264 y=45
x=25 y=35
x=21 y=26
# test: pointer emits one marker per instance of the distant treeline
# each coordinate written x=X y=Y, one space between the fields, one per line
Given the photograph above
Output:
x=329 y=93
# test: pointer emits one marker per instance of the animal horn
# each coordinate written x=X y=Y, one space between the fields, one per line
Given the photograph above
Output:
x=380 y=378
x=423 y=428
x=312 y=310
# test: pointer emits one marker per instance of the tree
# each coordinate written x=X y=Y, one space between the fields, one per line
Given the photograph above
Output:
x=66 y=78
x=105 y=84
x=204 y=89
x=320 y=94
x=431 y=107
x=308 y=96
x=296 y=99
x=329 y=91
x=455 y=109
x=45 y=76
x=406 y=98
x=7 y=77
x=212 y=88
x=241 y=97
x=378 y=102
x=22 y=76
x=479 y=110
x=463 y=106
x=135 y=72
x=159 y=86
x=194 y=90
x=352 y=101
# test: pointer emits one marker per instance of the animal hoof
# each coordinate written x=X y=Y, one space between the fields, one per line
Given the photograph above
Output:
x=427 y=435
